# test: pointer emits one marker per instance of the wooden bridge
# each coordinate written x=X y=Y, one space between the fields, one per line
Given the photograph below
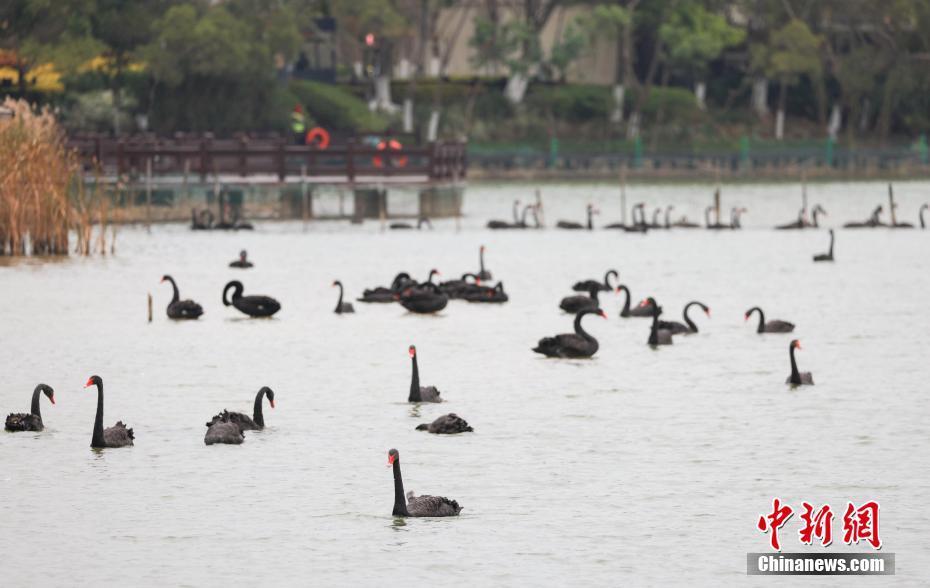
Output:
x=251 y=160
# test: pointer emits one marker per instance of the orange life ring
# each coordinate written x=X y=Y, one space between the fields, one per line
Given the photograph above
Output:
x=392 y=145
x=319 y=135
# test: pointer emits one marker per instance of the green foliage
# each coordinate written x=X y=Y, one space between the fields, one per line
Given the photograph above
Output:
x=572 y=103
x=336 y=109
x=678 y=106
x=605 y=21
x=694 y=36
x=792 y=50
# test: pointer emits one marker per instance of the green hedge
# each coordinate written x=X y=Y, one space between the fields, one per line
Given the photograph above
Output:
x=573 y=103
x=335 y=108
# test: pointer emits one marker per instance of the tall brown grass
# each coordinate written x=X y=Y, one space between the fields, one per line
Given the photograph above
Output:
x=38 y=176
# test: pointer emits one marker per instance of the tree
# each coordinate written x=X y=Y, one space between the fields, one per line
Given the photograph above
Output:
x=613 y=22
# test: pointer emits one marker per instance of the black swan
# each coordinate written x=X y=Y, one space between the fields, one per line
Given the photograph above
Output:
x=923 y=225
x=573 y=225
x=577 y=344
x=420 y=393
x=459 y=288
x=586 y=285
x=257 y=422
x=181 y=309
x=625 y=312
x=425 y=298
x=643 y=310
x=688 y=326
x=420 y=222
x=874 y=220
x=18 y=421
x=797 y=378
x=254 y=306
x=577 y=303
x=411 y=505
x=202 y=221
x=223 y=430
x=483 y=274
x=657 y=335
x=382 y=294
x=242 y=262
x=487 y=295
x=116 y=436
x=815 y=215
x=828 y=256
x=342 y=307
x=447 y=424
x=775 y=326
x=798 y=223
x=499 y=224
x=682 y=223
x=655 y=220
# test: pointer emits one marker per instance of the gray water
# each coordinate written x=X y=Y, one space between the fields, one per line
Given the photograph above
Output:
x=639 y=466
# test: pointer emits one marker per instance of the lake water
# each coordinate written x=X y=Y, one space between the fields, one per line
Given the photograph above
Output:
x=639 y=466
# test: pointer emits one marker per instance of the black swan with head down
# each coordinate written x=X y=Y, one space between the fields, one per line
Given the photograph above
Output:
x=455 y=289
x=342 y=307
x=874 y=220
x=242 y=262
x=420 y=222
x=243 y=421
x=797 y=378
x=484 y=294
x=828 y=256
x=657 y=335
x=688 y=327
x=586 y=285
x=447 y=424
x=181 y=309
x=119 y=435
x=573 y=345
x=254 y=306
x=775 y=326
x=410 y=505
x=18 y=421
x=389 y=294
x=425 y=298
x=224 y=431
x=420 y=393
x=578 y=302
x=682 y=223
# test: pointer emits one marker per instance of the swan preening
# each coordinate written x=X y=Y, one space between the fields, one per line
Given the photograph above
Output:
x=390 y=293
x=181 y=309
x=410 y=505
x=119 y=435
x=19 y=421
x=254 y=305
x=797 y=378
x=447 y=424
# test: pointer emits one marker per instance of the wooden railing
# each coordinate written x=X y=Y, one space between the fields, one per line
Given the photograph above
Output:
x=349 y=162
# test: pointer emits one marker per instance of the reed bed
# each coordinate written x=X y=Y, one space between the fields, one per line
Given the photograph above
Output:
x=41 y=197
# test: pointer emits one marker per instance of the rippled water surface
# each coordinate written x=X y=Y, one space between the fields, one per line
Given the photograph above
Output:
x=643 y=466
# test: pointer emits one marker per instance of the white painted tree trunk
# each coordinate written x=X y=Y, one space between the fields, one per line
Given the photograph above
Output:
x=434 y=66
x=433 y=129
x=516 y=88
x=404 y=69
x=357 y=68
x=836 y=122
x=780 y=124
x=616 y=115
x=632 y=129
x=408 y=115
x=700 y=93
x=382 y=100
x=864 y=118
x=760 y=95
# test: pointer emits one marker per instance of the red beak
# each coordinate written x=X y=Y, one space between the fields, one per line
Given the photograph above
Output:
x=52 y=398
x=89 y=383
x=412 y=351
x=708 y=312
x=271 y=402
x=798 y=344
x=390 y=459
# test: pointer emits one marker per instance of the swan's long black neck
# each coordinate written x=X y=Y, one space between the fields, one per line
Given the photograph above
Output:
x=607 y=278
x=668 y=214
x=516 y=211
x=761 y=328
x=35 y=402
x=578 y=329
x=481 y=260
x=707 y=216
x=654 y=331
x=691 y=326
x=400 y=500
x=339 y=303
x=590 y=218
x=831 y=243
x=236 y=287
x=257 y=414
x=795 y=374
x=177 y=295
x=414 y=383
x=923 y=225
x=815 y=216
x=97 y=438
x=626 y=303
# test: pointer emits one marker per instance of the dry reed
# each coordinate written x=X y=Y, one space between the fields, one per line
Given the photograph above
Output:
x=38 y=175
